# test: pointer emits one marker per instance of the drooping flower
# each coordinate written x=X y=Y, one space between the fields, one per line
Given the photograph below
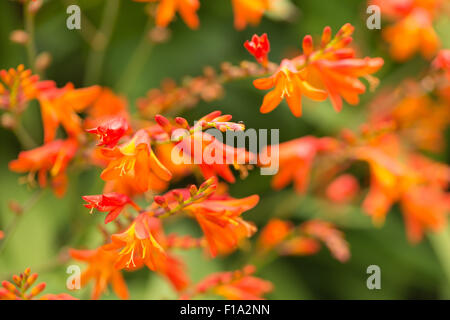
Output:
x=296 y=158
x=136 y=160
x=166 y=10
x=235 y=285
x=102 y=271
x=259 y=47
x=248 y=12
x=113 y=203
x=60 y=106
x=110 y=132
x=52 y=157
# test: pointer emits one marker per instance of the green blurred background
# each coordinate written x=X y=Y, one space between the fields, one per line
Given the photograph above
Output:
x=53 y=225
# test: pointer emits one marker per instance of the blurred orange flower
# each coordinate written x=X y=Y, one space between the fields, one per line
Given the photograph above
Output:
x=102 y=271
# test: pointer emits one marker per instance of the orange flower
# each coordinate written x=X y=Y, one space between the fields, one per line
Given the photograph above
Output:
x=101 y=269
x=212 y=156
x=219 y=218
x=442 y=62
x=413 y=29
x=54 y=157
x=167 y=8
x=113 y=203
x=107 y=106
x=296 y=158
x=299 y=246
x=136 y=160
x=60 y=106
x=330 y=70
x=248 y=12
x=417 y=183
x=139 y=244
x=274 y=233
x=236 y=285
x=289 y=84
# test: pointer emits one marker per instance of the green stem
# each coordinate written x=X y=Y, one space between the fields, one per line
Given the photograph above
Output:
x=29 y=28
x=137 y=61
x=440 y=243
x=100 y=42
x=14 y=223
x=23 y=136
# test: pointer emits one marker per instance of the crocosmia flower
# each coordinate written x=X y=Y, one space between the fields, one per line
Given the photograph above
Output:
x=136 y=160
x=249 y=12
x=102 y=271
x=166 y=10
x=259 y=47
x=113 y=203
x=110 y=132
x=52 y=157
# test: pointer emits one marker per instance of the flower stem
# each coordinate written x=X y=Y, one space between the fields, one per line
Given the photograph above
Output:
x=17 y=216
x=137 y=61
x=100 y=42
x=440 y=243
x=23 y=136
x=28 y=16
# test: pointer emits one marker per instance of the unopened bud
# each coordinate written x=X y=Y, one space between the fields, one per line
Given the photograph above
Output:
x=38 y=289
x=182 y=122
x=34 y=6
x=308 y=46
x=193 y=190
x=326 y=36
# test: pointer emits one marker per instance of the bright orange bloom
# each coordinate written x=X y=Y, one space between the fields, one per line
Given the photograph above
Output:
x=287 y=83
x=296 y=158
x=136 y=160
x=274 y=233
x=101 y=269
x=167 y=9
x=343 y=189
x=331 y=70
x=413 y=28
x=52 y=157
x=18 y=86
x=236 y=285
x=2 y=234
x=60 y=106
x=248 y=12
x=417 y=183
x=139 y=244
x=219 y=218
